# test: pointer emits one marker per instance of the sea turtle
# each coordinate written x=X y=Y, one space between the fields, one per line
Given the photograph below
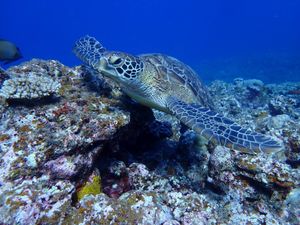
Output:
x=164 y=83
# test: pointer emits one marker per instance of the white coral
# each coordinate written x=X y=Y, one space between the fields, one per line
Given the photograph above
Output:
x=29 y=87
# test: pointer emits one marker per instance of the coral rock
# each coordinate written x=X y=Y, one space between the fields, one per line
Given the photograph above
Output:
x=29 y=87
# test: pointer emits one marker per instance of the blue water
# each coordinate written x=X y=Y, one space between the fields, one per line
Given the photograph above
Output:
x=219 y=39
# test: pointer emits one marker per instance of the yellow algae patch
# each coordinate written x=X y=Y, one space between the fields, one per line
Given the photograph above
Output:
x=90 y=187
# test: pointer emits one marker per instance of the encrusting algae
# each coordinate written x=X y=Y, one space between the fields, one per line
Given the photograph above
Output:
x=91 y=187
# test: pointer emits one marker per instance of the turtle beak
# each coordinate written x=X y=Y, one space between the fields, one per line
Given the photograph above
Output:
x=105 y=69
x=102 y=64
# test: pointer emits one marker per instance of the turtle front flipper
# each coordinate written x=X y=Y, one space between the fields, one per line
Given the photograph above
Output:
x=88 y=50
x=221 y=130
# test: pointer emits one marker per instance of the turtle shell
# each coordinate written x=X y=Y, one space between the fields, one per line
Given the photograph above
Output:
x=181 y=77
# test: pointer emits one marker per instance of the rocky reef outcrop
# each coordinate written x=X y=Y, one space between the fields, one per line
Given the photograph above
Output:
x=80 y=152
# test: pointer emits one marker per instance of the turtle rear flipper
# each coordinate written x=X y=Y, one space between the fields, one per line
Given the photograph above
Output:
x=89 y=50
x=221 y=130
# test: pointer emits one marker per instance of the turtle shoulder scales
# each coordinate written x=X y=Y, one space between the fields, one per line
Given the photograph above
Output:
x=174 y=78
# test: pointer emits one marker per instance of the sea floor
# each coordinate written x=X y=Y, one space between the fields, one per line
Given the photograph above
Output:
x=75 y=150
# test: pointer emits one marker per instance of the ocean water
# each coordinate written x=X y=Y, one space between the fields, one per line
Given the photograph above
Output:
x=219 y=39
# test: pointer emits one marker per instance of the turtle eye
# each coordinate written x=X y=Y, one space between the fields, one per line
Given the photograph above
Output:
x=118 y=61
x=115 y=60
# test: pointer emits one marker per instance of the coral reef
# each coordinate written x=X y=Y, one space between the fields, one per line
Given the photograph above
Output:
x=3 y=76
x=29 y=86
x=93 y=156
x=60 y=140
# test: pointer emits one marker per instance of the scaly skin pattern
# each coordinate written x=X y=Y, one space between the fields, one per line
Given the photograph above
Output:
x=219 y=129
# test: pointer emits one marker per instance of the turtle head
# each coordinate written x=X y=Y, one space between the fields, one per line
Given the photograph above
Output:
x=120 y=66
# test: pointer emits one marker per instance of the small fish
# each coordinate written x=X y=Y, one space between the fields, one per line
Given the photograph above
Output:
x=9 y=52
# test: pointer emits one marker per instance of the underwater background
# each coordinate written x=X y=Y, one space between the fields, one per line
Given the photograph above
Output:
x=75 y=149
x=219 y=39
